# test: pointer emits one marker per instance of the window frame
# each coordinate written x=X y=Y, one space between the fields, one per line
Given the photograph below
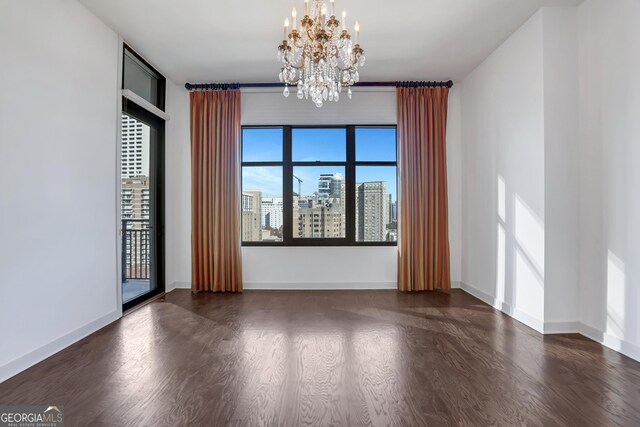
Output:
x=287 y=164
x=162 y=81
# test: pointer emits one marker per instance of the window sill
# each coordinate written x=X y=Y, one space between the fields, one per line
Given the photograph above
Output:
x=317 y=244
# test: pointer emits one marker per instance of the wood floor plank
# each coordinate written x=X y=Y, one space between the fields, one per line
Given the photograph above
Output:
x=330 y=358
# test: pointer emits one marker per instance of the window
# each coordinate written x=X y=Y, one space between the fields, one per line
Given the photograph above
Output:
x=262 y=201
x=309 y=186
x=376 y=189
x=142 y=79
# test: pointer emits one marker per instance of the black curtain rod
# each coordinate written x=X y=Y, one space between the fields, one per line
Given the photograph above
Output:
x=225 y=86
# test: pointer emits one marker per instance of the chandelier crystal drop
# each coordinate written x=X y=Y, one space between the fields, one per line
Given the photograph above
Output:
x=320 y=57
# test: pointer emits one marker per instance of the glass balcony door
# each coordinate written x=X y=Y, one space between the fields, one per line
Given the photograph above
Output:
x=141 y=189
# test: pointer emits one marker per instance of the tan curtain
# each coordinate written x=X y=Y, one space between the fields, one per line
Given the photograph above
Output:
x=215 y=186
x=423 y=241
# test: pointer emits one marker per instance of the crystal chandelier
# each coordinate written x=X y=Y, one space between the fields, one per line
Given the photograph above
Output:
x=319 y=58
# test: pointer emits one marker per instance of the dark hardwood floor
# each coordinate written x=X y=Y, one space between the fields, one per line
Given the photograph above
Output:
x=330 y=358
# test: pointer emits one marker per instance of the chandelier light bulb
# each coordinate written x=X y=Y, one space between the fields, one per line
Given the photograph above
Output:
x=322 y=57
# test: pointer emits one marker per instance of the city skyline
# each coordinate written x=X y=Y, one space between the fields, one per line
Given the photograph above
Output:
x=316 y=144
x=322 y=215
x=268 y=179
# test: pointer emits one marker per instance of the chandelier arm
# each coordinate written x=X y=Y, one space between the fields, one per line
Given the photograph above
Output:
x=349 y=68
x=299 y=67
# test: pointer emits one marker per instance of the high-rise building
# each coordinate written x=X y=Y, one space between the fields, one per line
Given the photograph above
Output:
x=272 y=208
x=134 y=208
x=251 y=217
x=135 y=198
x=135 y=192
x=324 y=186
x=134 y=170
x=321 y=215
x=135 y=148
x=330 y=185
x=338 y=192
x=319 y=221
x=372 y=211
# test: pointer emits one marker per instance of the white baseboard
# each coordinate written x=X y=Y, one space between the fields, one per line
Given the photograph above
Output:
x=519 y=315
x=309 y=286
x=621 y=346
x=178 y=285
x=27 y=360
x=614 y=343
x=561 y=327
x=316 y=286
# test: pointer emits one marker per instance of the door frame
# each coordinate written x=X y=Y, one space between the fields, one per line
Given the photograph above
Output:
x=157 y=194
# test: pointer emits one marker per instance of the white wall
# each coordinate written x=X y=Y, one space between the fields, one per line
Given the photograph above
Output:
x=503 y=206
x=178 y=189
x=553 y=113
x=58 y=115
x=272 y=267
x=609 y=293
x=368 y=106
x=454 y=182
x=320 y=268
x=560 y=49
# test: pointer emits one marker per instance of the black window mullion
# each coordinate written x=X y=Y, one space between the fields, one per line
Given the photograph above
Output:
x=249 y=164
x=307 y=164
x=350 y=186
x=368 y=163
x=287 y=190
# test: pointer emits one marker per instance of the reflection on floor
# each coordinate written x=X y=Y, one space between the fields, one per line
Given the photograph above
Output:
x=133 y=288
x=320 y=358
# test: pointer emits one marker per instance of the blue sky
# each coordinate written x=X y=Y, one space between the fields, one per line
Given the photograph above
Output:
x=316 y=145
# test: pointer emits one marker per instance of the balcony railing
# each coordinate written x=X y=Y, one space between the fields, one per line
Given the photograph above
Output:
x=136 y=249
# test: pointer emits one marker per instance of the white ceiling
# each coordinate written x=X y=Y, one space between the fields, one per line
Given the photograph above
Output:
x=236 y=40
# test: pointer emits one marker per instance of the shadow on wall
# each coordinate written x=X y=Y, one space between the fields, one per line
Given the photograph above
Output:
x=519 y=253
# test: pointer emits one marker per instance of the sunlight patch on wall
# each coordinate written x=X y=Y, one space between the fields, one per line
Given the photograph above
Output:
x=529 y=232
x=529 y=260
x=616 y=283
x=501 y=264
x=529 y=286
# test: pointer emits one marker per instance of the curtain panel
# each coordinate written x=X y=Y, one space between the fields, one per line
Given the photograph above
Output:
x=423 y=240
x=215 y=186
